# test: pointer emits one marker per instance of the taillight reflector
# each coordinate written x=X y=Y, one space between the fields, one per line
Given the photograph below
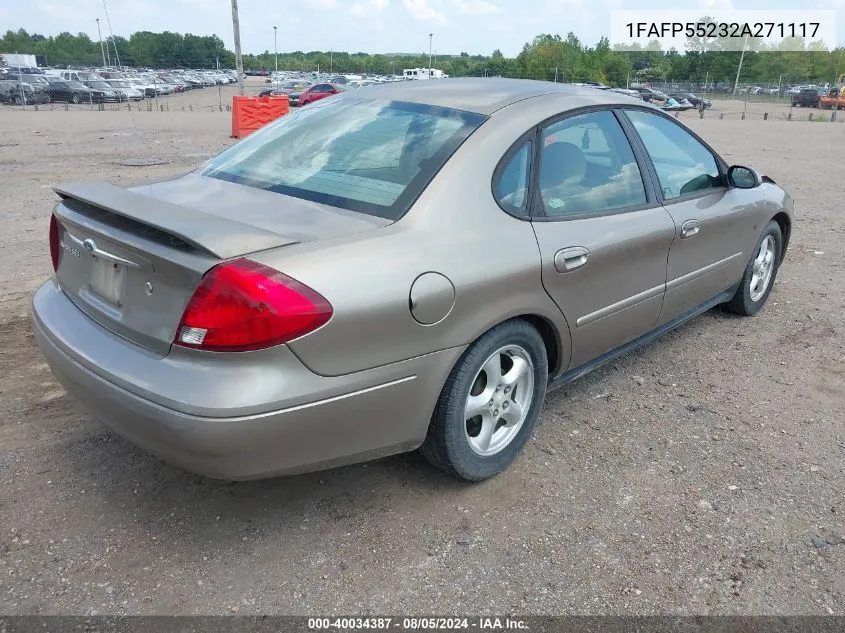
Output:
x=54 y=242
x=243 y=305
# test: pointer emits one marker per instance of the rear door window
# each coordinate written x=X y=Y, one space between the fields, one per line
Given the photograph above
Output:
x=587 y=166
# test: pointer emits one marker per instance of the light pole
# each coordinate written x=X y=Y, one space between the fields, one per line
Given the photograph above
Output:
x=393 y=67
x=331 y=62
x=430 y=39
x=739 y=68
x=102 y=48
x=275 y=49
x=239 y=61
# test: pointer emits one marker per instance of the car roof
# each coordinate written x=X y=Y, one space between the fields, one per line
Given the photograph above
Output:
x=480 y=95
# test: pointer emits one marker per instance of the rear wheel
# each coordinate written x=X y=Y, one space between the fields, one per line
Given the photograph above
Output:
x=490 y=403
x=759 y=276
x=18 y=100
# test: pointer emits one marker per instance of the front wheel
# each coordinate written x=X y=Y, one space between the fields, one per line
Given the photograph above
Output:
x=490 y=403
x=760 y=273
x=75 y=99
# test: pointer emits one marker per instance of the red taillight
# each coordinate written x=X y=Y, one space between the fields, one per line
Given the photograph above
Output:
x=243 y=305
x=54 y=242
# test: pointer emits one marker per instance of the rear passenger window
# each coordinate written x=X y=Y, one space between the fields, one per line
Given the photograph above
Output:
x=587 y=166
x=512 y=183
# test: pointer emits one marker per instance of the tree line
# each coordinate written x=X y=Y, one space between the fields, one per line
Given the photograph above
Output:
x=547 y=56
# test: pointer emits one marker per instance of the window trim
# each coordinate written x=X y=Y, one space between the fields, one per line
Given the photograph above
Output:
x=524 y=213
x=721 y=165
x=538 y=212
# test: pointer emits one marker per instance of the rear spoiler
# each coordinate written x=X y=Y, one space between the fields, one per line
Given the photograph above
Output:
x=219 y=236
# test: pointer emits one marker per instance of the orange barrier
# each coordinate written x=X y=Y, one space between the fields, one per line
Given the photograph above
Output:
x=251 y=113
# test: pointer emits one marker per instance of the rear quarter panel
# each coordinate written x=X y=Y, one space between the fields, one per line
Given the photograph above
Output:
x=456 y=229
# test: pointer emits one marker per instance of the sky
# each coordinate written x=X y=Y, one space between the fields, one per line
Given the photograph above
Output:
x=372 y=26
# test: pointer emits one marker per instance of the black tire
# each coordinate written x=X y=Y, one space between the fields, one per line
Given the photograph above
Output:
x=743 y=302
x=75 y=99
x=447 y=446
x=18 y=100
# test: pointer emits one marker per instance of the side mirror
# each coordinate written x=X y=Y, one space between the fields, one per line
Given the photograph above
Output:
x=743 y=177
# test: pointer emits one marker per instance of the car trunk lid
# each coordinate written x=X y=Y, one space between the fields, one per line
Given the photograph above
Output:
x=132 y=258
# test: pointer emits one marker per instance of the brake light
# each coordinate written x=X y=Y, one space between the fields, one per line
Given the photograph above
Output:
x=243 y=305
x=54 y=242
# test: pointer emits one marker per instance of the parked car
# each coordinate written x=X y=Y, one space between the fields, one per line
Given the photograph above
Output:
x=77 y=75
x=125 y=90
x=38 y=81
x=19 y=93
x=69 y=91
x=649 y=94
x=241 y=320
x=317 y=92
x=101 y=91
x=695 y=100
x=807 y=98
x=286 y=88
x=628 y=93
x=143 y=85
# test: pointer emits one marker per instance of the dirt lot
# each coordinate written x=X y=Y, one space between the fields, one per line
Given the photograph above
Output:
x=702 y=474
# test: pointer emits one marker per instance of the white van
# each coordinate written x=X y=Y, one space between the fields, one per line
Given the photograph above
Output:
x=75 y=75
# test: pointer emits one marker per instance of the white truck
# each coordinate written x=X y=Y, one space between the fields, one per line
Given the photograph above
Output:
x=423 y=73
x=14 y=60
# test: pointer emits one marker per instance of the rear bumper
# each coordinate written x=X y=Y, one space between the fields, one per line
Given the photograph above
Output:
x=259 y=415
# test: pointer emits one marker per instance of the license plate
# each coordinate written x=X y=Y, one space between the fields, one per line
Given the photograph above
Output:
x=108 y=280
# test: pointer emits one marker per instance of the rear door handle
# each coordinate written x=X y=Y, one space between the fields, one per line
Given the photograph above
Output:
x=690 y=228
x=568 y=259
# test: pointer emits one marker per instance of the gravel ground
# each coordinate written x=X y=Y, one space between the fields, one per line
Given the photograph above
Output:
x=703 y=474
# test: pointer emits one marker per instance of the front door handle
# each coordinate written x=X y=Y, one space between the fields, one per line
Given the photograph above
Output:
x=568 y=259
x=690 y=228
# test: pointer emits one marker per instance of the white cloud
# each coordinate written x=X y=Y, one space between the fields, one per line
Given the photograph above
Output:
x=423 y=11
x=716 y=5
x=364 y=8
x=321 y=4
x=476 y=7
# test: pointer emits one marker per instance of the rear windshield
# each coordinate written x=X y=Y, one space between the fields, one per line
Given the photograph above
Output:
x=370 y=156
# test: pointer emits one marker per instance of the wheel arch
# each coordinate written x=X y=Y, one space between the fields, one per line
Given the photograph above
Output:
x=555 y=342
x=785 y=224
x=551 y=339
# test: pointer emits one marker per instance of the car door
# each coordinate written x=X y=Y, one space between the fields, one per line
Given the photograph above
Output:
x=61 y=91
x=321 y=92
x=713 y=222
x=603 y=236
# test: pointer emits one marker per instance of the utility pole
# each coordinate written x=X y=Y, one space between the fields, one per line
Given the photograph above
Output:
x=739 y=68
x=111 y=32
x=275 y=48
x=102 y=48
x=239 y=62
x=430 y=40
x=20 y=85
x=331 y=62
